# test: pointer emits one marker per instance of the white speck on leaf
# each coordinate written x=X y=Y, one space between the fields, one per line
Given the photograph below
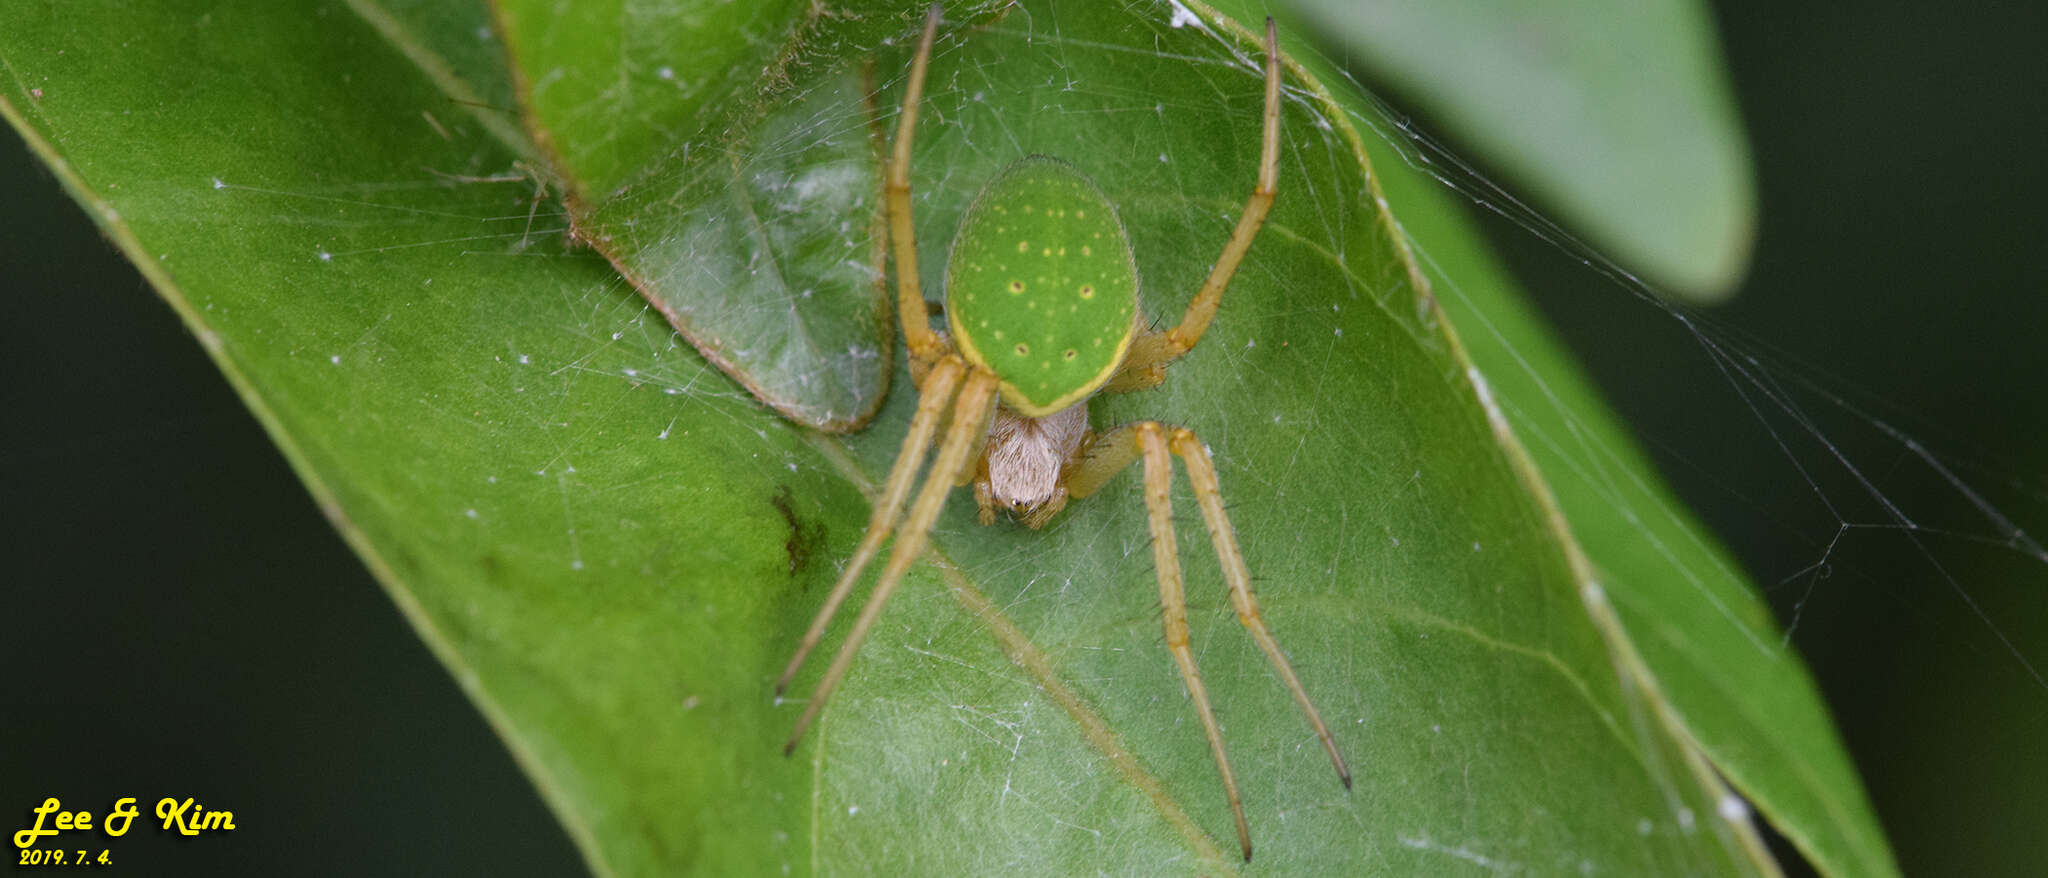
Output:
x=1733 y=808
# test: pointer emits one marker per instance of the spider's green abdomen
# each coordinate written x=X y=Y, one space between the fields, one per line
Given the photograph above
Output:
x=1040 y=285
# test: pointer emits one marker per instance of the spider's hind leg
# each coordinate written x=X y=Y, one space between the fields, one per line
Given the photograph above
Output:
x=1145 y=366
x=925 y=345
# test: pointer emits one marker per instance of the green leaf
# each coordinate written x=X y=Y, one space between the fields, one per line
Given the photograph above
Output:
x=1616 y=115
x=614 y=547
x=1683 y=623
x=1680 y=611
x=750 y=226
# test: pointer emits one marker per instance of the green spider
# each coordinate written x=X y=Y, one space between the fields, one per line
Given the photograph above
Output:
x=1042 y=303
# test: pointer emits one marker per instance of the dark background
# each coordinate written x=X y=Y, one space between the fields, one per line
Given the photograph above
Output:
x=1899 y=155
x=1900 y=164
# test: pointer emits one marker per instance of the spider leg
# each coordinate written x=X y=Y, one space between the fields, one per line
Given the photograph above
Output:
x=1100 y=459
x=1166 y=557
x=984 y=499
x=970 y=418
x=925 y=346
x=1209 y=496
x=933 y=397
x=1150 y=352
x=977 y=462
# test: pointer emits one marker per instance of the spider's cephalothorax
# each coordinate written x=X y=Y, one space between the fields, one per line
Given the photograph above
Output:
x=1042 y=303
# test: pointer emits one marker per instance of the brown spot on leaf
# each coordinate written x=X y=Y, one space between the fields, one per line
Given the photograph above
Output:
x=804 y=538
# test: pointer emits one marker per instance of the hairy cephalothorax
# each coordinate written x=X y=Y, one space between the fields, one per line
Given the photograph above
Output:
x=1021 y=463
x=1042 y=306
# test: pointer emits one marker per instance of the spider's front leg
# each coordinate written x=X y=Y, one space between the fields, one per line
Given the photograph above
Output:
x=935 y=392
x=1155 y=444
x=971 y=410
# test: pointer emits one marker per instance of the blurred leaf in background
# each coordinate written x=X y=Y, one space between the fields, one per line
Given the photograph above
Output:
x=1616 y=116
